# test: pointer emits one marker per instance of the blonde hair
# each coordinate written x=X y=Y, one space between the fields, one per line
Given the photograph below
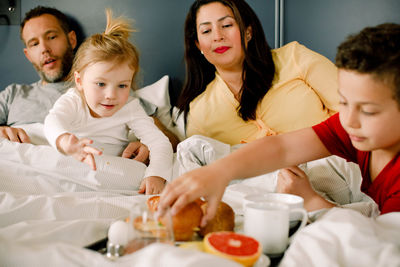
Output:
x=111 y=45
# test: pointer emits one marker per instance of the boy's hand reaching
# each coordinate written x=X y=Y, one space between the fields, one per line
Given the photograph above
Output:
x=70 y=145
x=208 y=182
x=152 y=185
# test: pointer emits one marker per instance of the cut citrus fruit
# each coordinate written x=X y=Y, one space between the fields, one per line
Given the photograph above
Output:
x=238 y=247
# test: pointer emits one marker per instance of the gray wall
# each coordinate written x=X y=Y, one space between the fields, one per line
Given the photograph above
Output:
x=322 y=25
x=159 y=37
x=319 y=24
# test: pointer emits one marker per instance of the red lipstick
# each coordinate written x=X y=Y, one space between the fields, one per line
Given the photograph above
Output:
x=221 y=49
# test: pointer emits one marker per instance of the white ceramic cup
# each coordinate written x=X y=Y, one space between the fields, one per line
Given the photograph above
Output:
x=293 y=201
x=268 y=222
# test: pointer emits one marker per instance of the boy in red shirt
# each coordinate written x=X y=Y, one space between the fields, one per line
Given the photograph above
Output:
x=365 y=131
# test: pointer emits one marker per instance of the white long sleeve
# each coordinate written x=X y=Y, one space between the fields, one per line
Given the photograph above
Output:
x=70 y=114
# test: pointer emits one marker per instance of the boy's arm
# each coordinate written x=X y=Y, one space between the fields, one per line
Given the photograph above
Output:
x=258 y=157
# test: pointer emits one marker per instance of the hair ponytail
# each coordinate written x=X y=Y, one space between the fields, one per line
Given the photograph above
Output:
x=112 y=45
x=117 y=27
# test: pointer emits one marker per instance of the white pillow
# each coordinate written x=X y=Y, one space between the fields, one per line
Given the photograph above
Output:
x=158 y=94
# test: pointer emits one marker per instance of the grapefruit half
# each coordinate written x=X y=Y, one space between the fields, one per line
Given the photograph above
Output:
x=238 y=247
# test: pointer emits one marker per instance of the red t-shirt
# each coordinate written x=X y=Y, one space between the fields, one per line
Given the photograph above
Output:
x=385 y=189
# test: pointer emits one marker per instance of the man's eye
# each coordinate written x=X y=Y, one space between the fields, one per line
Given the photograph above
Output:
x=52 y=37
x=205 y=31
x=33 y=44
x=227 y=25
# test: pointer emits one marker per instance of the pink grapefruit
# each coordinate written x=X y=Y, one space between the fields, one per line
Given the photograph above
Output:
x=238 y=247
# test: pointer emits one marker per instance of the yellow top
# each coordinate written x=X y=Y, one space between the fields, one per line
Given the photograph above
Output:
x=303 y=93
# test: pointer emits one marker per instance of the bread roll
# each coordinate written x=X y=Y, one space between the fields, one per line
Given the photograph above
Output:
x=224 y=219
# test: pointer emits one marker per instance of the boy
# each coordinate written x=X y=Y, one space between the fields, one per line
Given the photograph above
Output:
x=366 y=131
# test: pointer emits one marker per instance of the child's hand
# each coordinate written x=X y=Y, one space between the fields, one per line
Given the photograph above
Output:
x=152 y=185
x=294 y=181
x=69 y=144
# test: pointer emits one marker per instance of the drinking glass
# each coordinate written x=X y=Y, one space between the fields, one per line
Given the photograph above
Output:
x=147 y=228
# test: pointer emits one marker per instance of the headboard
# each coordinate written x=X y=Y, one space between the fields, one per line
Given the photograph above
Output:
x=159 y=37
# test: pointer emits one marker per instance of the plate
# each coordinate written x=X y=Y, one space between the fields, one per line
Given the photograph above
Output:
x=263 y=261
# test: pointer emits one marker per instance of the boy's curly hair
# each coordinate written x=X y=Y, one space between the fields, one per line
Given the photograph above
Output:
x=375 y=51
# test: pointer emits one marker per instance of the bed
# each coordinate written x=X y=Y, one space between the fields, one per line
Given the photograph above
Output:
x=52 y=206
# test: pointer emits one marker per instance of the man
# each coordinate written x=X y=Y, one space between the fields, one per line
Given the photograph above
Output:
x=49 y=46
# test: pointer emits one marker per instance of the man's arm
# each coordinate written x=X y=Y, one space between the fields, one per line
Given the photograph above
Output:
x=10 y=133
x=137 y=151
x=14 y=134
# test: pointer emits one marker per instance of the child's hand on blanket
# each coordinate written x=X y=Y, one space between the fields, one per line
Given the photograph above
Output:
x=71 y=145
x=294 y=180
x=152 y=185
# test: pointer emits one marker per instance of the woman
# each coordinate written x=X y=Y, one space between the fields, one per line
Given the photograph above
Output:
x=237 y=89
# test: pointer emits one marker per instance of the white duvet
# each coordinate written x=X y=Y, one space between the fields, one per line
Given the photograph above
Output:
x=51 y=206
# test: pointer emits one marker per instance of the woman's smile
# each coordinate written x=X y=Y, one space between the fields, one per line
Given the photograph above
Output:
x=221 y=49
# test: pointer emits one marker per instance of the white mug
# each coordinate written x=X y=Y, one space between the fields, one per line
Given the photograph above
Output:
x=268 y=222
x=293 y=201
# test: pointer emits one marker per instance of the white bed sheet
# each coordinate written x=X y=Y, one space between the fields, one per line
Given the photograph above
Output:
x=51 y=206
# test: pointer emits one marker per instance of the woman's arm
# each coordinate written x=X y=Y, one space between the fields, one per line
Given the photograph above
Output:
x=320 y=74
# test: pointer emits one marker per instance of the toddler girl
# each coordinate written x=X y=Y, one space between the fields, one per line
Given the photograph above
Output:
x=100 y=109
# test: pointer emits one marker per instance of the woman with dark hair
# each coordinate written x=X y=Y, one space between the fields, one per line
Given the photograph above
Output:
x=237 y=89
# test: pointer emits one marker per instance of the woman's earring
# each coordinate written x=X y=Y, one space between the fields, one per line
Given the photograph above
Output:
x=201 y=51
